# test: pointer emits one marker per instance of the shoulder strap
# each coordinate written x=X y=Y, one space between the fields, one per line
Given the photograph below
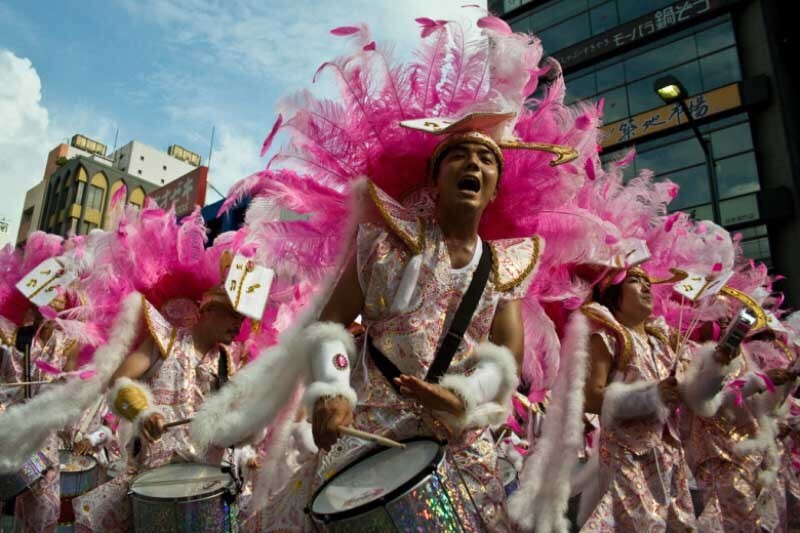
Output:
x=462 y=318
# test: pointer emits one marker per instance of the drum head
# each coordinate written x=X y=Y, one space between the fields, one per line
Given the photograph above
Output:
x=507 y=471
x=181 y=481
x=75 y=463
x=376 y=477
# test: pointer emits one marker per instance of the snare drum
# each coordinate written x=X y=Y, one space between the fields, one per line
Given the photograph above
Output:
x=416 y=488
x=183 y=498
x=14 y=484
x=508 y=473
x=79 y=475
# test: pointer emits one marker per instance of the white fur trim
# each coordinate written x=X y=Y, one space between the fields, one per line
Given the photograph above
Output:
x=703 y=381
x=304 y=439
x=727 y=397
x=320 y=389
x=101 y=436
x=625 y=401
x=493 y=363
x=319 y=343
x=765 y=442
x=541 y=501
x=26 y=426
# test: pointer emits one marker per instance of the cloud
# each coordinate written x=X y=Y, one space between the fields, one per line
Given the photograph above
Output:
x=235 y=156
x=30 y=131
x=277 y=44
x=24 y=135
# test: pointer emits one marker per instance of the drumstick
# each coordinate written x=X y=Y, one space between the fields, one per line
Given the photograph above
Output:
x=357 y=433
x=177 y=423
x=24 y=383
x=176 y=481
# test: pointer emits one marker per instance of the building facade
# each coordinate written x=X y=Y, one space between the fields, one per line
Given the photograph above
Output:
x=77 y=197
x=733 y=58
x=150 y=164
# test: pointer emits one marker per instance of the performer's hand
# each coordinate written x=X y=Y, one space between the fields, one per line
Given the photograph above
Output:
x=254 y=463
x=153 y=427
x=668 y=389
x=723 y=355
x=430 y=395
x=781 y=376
x=84 y=447
x=330 y=412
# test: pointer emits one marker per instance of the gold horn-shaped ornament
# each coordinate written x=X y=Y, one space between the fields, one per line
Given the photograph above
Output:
x=565 y=153
x=677 y=275
x=752 y=305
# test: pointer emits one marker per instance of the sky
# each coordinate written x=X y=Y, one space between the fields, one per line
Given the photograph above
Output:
x=166 y=72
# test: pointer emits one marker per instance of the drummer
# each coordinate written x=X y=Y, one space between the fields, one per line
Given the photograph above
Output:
x=406 y=279
x=38 y=508
x=163 y=380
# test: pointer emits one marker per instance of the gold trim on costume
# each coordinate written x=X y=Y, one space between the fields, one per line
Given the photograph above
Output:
x=5 y=340
x=469 y=137
x=623 y=336
x=785 y=349
x=149 y=324
x=565 y=153
x=416 y=246
x=130 y=401
x=507 y=286
x=761 y=318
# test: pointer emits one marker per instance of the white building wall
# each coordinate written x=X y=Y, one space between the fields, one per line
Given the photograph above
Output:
x=148 y=163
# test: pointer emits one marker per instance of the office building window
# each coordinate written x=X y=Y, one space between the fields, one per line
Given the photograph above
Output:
x=679 y=158
x=94 y=198
x=703 y=58
x=79 y=192
x=566 y=22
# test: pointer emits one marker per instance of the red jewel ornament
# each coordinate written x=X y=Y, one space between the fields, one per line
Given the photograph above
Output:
x=340 y=361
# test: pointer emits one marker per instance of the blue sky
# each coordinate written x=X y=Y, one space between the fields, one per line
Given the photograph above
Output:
x=164 y=72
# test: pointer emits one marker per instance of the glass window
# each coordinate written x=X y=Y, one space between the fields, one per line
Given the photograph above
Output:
x=661 y=58
x=738 y=210
x=581 y=88
x=603 y=17
x=720 y=69
x=94 y=198
x=701 y=212
x=693 y=183
x=737 y=175
x=79 y=192
x=643 y=97
x=521 y=25
x=615 y=106
x=611 y=76
x=715 y=38
x=733 y=140
x=562 y=35
x=548 y=15
x=630 y=9
x=757 y=249
x=673 y=156
x=754 y=231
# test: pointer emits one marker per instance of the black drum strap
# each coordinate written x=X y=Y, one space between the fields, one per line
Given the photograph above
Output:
x=455 y=333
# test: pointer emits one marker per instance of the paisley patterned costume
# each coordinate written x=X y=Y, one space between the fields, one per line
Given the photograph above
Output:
x=642 y=465
x=410 y=341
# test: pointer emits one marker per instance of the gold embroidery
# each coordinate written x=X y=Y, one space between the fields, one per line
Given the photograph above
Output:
x=623 y=336
x=416 y=246
x=565 y=153
x=130 y=401
x=149 y=323
x=252 y=288
x=504 y=287
x=12 y=341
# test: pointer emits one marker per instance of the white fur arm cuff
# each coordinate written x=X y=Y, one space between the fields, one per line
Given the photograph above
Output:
x=330 y=350
x=101 y=436
x=132 y=400
x=626 y=401
x=729 y=395
x=703 y=381
x=486 y=390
